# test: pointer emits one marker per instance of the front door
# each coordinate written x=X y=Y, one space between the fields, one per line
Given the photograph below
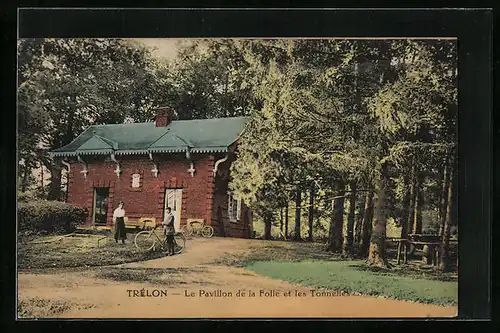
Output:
x=100 y=209
x=173 y=199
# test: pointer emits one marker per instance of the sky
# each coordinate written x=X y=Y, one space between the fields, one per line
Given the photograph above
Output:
x=166 y=48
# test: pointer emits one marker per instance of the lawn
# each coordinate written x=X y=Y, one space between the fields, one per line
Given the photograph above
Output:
x=308 y=264
x=352 y=277
x=80 y=250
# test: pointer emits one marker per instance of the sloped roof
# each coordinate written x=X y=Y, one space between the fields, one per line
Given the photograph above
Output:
x=197 y=136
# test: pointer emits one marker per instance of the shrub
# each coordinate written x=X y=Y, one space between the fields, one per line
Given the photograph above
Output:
x=27 y=196
x=45 y=216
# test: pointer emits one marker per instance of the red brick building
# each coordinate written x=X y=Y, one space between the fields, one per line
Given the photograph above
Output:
x=181 y=164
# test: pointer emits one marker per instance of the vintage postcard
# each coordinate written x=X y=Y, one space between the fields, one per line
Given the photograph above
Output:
x=237 y=178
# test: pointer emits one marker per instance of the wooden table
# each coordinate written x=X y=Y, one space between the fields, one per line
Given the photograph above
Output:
x=432 y=242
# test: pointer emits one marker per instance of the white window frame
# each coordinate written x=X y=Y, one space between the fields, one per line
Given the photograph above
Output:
x=136 y=180
x=231 y=210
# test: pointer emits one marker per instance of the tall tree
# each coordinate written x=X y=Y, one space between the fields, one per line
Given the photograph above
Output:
x=444 y=263
x=311 y=211
x=444 y=201
x=376 y=254
x=286 y=219
x=419 y=204
x=298 y=213
x=366 y=228
x=406 y=206
x=359 y=221
x=348 y=248
x=335 y=239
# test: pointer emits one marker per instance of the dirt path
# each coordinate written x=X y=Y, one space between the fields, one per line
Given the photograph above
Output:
x=191 y=286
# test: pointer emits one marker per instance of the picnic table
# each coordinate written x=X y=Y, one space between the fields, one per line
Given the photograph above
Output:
x=431 y=247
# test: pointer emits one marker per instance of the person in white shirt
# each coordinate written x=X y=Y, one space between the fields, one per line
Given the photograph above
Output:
x=119 y=222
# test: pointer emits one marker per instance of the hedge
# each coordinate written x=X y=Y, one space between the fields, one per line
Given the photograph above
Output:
x=43 y=216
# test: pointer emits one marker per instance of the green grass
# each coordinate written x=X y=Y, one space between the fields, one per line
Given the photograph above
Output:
x=308 y=264
x=352 y=277
x=81 y=251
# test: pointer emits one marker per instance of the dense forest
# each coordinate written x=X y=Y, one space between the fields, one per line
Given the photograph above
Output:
x=346 y=139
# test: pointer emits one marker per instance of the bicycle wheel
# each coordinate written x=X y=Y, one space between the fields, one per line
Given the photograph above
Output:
x=187 y=230
x=207 y=231
x=144 y=240
x=179 y=242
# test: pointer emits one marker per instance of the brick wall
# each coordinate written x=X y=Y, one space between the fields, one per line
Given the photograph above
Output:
x=148 y=199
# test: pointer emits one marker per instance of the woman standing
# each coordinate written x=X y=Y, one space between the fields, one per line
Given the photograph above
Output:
x=119 y=222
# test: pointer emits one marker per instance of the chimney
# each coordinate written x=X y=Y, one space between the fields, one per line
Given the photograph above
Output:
x=163 y=116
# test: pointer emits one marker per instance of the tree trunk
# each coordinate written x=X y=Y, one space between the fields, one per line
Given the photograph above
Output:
x=41 y=178
x=376 y=255
x=54 y=167
x=311 y=212
x=298 y=202
x=281 y=219
x=406 y=206
x=246 y=227
x=24 y=182
x=286 y=220
x=359 y=223
x=444 y=203
x=349 y=237
x=336 y=222
x=267 y=226
x=413 y=199
x=419 y=204
x=220 y=220
x=444 y=264
x=366 y=227
x=55 y=182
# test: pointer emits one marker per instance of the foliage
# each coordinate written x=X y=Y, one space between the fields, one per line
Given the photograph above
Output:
x=210 y=80
x=44 y=216
x=343 y=110
x=65 y=85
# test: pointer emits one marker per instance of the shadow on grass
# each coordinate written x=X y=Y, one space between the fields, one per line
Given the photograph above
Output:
x=279 y=251
x=161 y=276
x=412 y=270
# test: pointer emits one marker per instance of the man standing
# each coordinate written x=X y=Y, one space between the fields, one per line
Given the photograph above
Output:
x=168 y=225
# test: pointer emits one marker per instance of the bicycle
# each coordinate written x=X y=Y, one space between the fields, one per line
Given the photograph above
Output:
x=200 y=229
x=147 y=240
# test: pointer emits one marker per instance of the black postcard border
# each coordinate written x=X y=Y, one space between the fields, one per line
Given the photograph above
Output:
x=472 y=27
